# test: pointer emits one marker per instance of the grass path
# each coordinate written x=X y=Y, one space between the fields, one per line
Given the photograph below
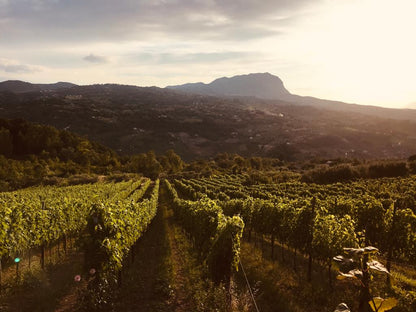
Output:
x=167 y=274
x=146 y=282
x=280 y=288
x=42 y=290
x=178 y=265
x=157 y=280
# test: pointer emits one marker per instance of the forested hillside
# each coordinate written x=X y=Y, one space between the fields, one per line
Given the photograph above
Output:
x=134 y=120
x=32 y=153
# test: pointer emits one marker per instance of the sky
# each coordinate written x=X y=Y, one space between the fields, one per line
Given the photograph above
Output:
x=356 y=51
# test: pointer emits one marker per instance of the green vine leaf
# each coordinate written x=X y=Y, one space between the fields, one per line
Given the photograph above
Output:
x=381 y=305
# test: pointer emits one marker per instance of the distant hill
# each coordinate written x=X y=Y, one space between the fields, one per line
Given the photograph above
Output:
x=133 y=119
x=270 y=87
x=18 y=86
x=56 y=86
x=260 y=85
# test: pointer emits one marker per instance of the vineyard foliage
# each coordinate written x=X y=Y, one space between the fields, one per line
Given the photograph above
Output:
x=115 y=224
x=42 y=216
x=316 y=221
x=216 y=235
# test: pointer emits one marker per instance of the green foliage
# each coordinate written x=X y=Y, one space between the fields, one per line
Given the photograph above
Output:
x=378 y=304
x=388 y=169
x=325 y=174
x=331 y=235
x=334 y=174
x=216 y=236
x=346 y=214
x=31 y=154
x=370 y=219
x=20 y=139
x=6 y=142
x=114 y=225
x=45 y=215
x=283 y=209
x=41 y=216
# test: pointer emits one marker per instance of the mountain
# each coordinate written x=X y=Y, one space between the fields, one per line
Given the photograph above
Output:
x=132 y=119
x=260 y=85
x=18 y=86
x=270 y=87
x=56 y=86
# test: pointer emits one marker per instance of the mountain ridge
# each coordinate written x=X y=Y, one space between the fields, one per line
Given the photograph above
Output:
x=273 y=90
x=261 y=85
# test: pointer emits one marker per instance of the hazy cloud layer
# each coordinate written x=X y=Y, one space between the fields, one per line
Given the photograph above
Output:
x=61 y=20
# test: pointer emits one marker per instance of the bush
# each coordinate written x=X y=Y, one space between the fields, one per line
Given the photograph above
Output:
x=387 y=169
x=334 y=174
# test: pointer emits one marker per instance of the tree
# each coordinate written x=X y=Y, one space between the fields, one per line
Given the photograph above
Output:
x=175 y=162
x=6 y=142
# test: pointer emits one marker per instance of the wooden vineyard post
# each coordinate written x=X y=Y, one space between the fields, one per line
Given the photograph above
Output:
x=42 y=256
x=294 y=260
x=64 y=243
x=365 y=291
x=311 y=221
x=133 y=253
x=17 y=262
x=1 y=270
x=391 y=245
x=119 y=278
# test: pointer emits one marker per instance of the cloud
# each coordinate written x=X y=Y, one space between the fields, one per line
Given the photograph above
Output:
x=98 y=20
x=92 y=58
x=13 y=66
x=188 y=58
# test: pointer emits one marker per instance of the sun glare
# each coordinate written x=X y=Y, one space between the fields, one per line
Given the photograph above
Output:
x=362 y=50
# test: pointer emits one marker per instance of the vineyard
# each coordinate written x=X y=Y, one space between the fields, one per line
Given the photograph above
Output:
x=288 y=246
